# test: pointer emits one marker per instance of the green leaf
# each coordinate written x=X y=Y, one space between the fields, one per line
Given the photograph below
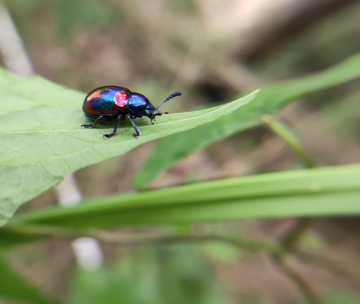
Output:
x=313 y=192
x=270 y=99
x=15 y=287
x=41 y=140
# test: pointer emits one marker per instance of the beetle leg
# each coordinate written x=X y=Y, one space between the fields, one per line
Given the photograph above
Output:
x=137 y=131
x=94 y=124
x=107 y=136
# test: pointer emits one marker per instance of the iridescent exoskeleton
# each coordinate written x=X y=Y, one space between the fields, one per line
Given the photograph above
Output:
x=114 y=102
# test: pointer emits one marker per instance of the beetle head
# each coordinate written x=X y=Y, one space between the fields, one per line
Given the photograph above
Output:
x=151 y=111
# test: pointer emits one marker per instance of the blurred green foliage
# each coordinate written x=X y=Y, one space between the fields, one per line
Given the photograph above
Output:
x=174 y=275
x=161 y=46
x=15 y=287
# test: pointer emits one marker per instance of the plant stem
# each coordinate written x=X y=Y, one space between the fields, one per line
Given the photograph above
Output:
x=138 y=239
x=248 y=245
x=281 y=130
x=321 y=261
x=292 y=237
x=302 y=285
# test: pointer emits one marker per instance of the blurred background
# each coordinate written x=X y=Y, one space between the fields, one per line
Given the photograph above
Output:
x=211 y=51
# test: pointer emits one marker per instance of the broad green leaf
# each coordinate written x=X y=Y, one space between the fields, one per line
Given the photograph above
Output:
x=313 y=192
x=41 y=140
x=15 y=287
x=271 y=98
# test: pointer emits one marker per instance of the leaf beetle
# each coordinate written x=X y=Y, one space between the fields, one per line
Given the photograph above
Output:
x=115 y=102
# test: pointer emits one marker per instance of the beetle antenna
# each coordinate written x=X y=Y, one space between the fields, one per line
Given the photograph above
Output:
x=170 y=96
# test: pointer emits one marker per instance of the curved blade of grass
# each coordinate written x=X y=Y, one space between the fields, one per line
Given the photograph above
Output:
x=321 y=191
x=270 y=99
x=41 y=140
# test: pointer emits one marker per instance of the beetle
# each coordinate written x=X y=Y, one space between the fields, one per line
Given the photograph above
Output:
x=115 y=102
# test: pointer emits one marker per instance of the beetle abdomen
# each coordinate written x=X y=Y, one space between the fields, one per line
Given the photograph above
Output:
x=109 y=100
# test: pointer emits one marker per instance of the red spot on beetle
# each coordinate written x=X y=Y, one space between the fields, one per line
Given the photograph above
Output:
x=120 y=98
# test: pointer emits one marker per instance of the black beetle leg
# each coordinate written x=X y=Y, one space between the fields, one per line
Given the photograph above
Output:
x=107 y=136
x=137 y=131
x=94 y=124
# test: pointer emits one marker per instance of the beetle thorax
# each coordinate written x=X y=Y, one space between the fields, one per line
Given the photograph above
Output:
x=139 y=105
